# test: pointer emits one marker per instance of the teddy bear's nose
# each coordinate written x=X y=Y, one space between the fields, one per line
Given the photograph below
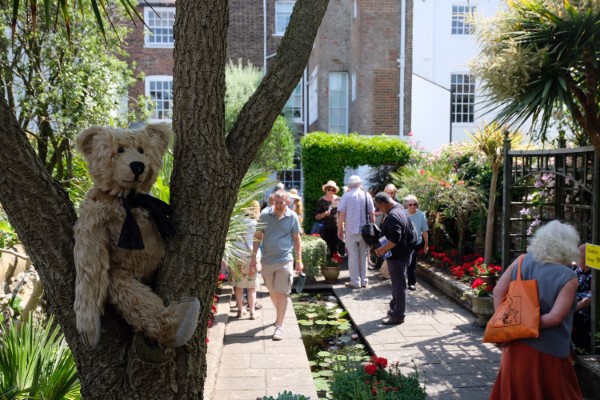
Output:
x=137 y=168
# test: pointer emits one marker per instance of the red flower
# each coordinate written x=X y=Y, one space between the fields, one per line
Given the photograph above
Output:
x=371 y=369
x=206 y=340
x=221 y=277
x=315 y=234
x=382 y=362
x=477 y=282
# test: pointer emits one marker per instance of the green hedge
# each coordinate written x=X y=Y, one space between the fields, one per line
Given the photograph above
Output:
x=314 y=253
x=325 y=156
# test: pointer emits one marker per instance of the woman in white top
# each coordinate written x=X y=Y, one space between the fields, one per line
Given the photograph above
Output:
x=420 y=221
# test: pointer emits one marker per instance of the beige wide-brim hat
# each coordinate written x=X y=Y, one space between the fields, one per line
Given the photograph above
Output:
x=331 y=184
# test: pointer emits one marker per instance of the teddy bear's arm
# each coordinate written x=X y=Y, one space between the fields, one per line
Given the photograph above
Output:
x=91 y=254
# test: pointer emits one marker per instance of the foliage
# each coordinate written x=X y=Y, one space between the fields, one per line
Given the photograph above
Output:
x=285 y=395
x=376 y=380
x=539 y=56
x=314 y=252
x=481 y=289
x=8 y=236
x=58 y=88
x=328 y=335
x=35 y=362
x=324 y=157
x=277 y=151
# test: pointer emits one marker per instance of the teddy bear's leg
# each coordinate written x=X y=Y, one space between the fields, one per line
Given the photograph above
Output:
x=169 y=326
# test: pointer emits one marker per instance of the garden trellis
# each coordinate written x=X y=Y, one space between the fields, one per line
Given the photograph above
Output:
x=543 y=185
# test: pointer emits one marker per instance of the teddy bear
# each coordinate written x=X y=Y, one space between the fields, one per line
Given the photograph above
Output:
x=120 y=237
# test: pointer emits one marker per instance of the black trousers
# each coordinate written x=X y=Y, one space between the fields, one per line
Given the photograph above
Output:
x=411 y=271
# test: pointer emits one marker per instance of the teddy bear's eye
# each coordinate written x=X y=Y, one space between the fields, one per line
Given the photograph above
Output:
x=140 y=150
x=120 y=149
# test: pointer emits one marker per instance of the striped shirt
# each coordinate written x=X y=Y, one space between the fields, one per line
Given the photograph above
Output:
x=353 y=204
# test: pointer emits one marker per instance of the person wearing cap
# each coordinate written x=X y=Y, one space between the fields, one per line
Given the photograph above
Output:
x=356 y=209
x=279 y=231
x=326 y=213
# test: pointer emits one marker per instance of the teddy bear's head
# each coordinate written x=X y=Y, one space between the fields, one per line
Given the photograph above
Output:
x=124 y=160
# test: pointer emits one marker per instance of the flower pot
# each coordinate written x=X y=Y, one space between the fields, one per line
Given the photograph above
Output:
x=483 y=307
x=331 y=274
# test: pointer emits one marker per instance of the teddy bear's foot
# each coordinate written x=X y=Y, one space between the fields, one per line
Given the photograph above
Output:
x=188 y=309
x=90 y=336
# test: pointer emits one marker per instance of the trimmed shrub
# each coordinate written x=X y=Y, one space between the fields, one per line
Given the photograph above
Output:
x=314 y=253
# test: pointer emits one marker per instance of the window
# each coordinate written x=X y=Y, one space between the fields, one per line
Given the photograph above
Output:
x=338 y=102
x=283 y=12
x=159 y=32
x=353 y=86
x=160 y=89
x=460 y=14
x=293 y=107
x=292 y=178
x=462 y=87
x=355 y=8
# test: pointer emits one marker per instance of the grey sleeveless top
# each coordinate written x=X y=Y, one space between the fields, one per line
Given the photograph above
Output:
x=550 y=279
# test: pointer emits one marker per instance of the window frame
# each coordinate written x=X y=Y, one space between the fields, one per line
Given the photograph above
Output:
x=296 y=95
x=147 y=90
x=150 y=13
x=462 y=117
x=278 y=31
x=459 y=26
x=343 y=95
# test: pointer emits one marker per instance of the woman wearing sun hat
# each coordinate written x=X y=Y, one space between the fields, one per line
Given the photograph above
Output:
x=326 y=213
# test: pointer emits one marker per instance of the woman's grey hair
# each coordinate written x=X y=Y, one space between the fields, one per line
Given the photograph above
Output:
x=555 y=242
x=411 y=197
x=383 y=198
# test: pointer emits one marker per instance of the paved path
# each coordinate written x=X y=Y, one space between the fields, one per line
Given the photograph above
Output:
x=438 y=335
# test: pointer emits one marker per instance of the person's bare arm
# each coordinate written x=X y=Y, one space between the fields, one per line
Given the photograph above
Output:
x=561 y=307
x=425 y=242
x=258 y=235
x=298 y=251
x=340 y=224
x=502 y=285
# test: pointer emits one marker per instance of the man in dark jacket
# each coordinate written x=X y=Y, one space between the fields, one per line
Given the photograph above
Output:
x=394 y=228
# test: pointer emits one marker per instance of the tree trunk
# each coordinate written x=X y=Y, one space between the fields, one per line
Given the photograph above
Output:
x=489 y=225
x=208 y=168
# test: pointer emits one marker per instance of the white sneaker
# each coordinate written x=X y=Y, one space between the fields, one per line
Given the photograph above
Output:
x=278 y=335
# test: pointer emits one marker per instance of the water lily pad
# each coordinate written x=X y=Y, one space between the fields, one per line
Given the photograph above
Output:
x=326 y=373
x=333 y=323
x=324 y=354
x=304 y=322
x=321 y=322
x=321 y=384
x=312 y=363
x=316 y=374
x=324 y=365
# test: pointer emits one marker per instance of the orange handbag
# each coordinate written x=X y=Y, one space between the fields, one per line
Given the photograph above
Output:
x=518 y=315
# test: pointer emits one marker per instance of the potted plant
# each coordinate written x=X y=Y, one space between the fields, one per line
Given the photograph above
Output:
x=487 y=273
x=331 y=268
x=482 y=303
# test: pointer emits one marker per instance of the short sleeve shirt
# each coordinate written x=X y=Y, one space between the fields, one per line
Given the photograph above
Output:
x=278 y=235
x=353 y=204
x=420 y=222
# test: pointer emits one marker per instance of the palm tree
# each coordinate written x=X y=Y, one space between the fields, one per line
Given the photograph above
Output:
x=489 y=141
x=542 y=55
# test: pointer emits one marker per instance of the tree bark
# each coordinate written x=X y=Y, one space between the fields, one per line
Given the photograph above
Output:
x=208 y=168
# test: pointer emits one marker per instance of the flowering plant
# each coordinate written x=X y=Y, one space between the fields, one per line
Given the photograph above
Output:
x=482 y=269
x=375 y=380
x=335 y=261
x=481 y=289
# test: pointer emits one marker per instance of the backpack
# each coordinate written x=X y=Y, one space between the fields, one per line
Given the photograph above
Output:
x=412 y=236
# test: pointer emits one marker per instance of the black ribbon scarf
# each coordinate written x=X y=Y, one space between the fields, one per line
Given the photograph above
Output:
x=131 y=236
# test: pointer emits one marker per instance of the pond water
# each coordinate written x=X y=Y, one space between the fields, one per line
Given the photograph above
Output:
x=329 y=336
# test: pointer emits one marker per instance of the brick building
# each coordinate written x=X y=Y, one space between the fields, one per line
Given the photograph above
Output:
x=351 y=81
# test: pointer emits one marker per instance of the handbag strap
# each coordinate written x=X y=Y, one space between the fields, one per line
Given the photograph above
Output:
x=519 y=268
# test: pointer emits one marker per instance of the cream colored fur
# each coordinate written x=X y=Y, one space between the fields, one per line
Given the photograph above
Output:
x=107 y=273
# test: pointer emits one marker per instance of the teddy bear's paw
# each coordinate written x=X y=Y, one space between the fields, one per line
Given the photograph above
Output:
x=90 y=337
x=189 y=309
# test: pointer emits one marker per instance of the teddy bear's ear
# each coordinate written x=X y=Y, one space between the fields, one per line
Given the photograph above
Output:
x=85 y=140
x=159 y=135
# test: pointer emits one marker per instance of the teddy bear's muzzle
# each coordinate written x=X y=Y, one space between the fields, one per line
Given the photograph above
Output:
x=137 y=168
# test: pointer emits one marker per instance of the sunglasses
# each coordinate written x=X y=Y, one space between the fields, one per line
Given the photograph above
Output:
x=413 y=205
x=330 y=189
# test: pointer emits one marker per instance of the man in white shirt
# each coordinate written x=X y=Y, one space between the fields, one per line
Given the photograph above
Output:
x=356 y=209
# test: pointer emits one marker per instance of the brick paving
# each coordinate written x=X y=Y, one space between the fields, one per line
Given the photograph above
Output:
x=438 y=337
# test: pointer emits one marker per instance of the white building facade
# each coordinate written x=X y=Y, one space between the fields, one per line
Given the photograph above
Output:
x=446 y=98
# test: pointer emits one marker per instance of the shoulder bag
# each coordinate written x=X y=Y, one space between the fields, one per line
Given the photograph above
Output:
x=370 y=232
x=518 y=315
